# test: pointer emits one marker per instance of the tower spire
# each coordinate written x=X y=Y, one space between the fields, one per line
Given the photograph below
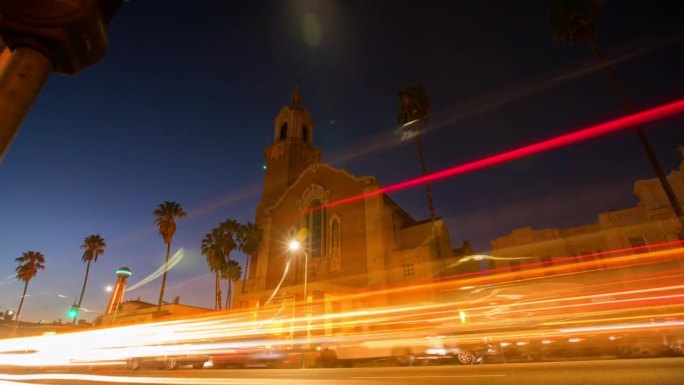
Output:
x=296 y=94
x=296 y=98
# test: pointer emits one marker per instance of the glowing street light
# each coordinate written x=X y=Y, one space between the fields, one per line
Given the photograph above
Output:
x=294 y=245
x=109 y=289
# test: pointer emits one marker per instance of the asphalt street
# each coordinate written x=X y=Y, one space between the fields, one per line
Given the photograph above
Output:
x=657 y=371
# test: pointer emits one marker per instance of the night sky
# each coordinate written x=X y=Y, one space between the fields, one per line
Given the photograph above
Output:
x=184 y=101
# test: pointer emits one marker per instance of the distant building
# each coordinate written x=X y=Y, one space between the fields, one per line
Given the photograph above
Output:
x=137 y=311
x=365 y=244
x=121 y=312
x=652 y=221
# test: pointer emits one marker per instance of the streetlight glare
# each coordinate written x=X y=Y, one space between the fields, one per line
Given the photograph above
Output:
x=294 y=245
x=108 y=288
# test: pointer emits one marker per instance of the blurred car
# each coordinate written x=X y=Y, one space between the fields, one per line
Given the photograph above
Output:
x=257 y=353
x=170 y=362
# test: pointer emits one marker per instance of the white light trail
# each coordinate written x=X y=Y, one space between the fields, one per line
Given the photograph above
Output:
x=277 y=288
x=173 y=261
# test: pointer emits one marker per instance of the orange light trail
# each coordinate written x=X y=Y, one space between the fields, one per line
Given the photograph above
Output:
x=594 y=306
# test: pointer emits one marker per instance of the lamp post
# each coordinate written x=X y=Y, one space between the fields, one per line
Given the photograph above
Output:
x=295 y=246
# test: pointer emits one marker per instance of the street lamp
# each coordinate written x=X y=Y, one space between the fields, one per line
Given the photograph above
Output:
x=295 y=246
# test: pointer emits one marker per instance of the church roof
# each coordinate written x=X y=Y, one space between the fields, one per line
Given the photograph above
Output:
x=368 y=180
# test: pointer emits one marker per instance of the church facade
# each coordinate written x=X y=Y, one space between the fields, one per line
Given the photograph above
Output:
x=368 y=244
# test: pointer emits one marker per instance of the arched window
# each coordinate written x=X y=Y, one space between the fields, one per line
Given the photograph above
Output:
x=305 y=133
x=283 y=131
x=335 y=245
x=315 y=220
x=335 y=237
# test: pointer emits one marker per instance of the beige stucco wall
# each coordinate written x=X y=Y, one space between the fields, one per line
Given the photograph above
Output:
x=652 y=218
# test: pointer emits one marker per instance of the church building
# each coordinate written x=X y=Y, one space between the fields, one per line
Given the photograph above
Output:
x=364 y=245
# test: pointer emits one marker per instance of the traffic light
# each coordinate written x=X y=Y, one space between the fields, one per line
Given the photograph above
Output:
x=71 y=34
x=73 y=312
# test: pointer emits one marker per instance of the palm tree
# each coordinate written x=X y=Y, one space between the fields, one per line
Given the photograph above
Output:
x=249 y=238
x=212 y=249
x=415 y=108
x=164 y=218
x=93 y=246
x=30 y=263
x=230 y=229
x=572 y=23
x=230 y=271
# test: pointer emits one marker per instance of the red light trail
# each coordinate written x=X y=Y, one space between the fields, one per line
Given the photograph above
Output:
x=633 y=120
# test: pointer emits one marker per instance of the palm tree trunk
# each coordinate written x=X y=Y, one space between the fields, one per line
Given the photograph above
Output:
x=428 y=192
x=671 y=196
x=230 y=293
x=244 y=275
x=166 y=268
x=217 y=300
x=85 y=281
x=21 y=304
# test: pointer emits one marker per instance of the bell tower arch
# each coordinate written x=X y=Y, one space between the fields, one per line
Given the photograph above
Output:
x=292 y=150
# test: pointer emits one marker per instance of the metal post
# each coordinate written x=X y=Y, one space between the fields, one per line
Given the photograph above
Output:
x=21 y=79
x=306 y=305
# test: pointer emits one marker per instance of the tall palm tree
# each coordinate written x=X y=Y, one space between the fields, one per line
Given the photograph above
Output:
x=212 y=249
x=30 y=263
x=165 y=218
x=230 y=229
x=571 y=21
x=415 y=109
x=230 y=271
x=249 y=238
x=93 y=246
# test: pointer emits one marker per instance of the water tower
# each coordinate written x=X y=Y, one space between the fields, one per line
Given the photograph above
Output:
x=119 y=288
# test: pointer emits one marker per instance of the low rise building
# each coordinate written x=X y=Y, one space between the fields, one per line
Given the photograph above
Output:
x=651 y=221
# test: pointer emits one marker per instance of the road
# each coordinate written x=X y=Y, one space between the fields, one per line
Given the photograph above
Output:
x=659 y=371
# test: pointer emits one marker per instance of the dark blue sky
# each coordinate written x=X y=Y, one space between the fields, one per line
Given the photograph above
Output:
x=183 y=104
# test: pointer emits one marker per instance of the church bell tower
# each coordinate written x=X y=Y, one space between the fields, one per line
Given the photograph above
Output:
x=292 y=151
